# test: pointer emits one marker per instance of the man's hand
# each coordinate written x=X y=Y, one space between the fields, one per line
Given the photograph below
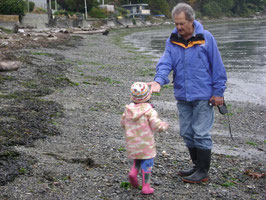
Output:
x=217 y=100
x=155 y=87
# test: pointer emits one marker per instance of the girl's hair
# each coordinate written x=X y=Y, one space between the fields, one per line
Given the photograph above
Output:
x=187 y=9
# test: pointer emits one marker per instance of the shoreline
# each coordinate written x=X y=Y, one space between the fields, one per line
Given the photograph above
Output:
x=82 y=88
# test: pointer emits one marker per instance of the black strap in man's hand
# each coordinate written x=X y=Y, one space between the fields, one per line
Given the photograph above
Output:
x=223 y=110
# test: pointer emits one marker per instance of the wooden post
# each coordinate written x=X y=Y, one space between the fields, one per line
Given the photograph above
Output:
x=55 y=5
x=86 y=11
x=50 y=4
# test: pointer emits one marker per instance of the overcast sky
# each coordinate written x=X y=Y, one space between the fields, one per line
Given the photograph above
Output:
x=39 y=3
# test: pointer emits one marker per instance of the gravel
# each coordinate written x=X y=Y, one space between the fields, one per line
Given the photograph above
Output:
x=61 y=136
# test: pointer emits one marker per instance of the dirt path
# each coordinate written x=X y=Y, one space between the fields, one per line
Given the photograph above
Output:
x=75 y=93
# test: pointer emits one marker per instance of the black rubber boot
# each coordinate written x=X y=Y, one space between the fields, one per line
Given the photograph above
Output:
x=203 y=166
x=193 y=156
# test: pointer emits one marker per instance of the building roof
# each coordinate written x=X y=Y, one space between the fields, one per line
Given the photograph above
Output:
x=134 y=5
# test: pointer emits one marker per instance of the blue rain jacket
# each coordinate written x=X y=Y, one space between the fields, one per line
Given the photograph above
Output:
x=198 y=70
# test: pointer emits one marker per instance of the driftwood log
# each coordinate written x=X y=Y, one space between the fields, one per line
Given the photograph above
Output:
x=89 y=31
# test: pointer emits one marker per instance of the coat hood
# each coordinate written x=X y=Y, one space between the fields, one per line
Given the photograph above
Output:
x=135 y=111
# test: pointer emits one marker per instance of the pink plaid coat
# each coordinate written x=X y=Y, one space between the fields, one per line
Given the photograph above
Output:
x=140 y=121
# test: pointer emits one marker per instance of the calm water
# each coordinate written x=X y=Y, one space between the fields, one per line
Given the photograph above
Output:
x=243 y=49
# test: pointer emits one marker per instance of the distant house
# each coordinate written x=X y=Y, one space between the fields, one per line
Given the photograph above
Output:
x=137 y=10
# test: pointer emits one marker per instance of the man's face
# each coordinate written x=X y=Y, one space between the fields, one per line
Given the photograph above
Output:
x=184 y=27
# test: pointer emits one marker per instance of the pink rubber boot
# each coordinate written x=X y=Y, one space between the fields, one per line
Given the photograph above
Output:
x=133 y=175
x=146 y=188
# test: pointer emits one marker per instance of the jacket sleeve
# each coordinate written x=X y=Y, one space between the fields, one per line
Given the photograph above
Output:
x=155 y=123
x=164 y=66
x=217 y=67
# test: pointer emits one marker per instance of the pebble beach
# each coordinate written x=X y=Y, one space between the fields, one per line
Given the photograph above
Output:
x=62 y=139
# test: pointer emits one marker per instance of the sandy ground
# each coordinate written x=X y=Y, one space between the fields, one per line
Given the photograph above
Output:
x=63 y=107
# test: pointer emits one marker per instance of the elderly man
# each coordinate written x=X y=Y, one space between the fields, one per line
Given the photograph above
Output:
x=199 y=76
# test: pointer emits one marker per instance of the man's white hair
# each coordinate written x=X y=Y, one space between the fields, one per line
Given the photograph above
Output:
x=186 y=8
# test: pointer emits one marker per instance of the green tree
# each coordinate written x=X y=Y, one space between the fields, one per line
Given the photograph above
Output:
x=256 y=5
x=226 y=5
x=77 y=5
x=32 y=6
x=12 y=7
x=98 y=13
x=259 y=3
x=159 y=7
x=212 y=9
x=241 y=8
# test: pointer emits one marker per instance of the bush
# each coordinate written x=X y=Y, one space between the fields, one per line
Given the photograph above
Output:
x=242 y=10
x=98 y=13
x=134 y=21
x=122 y=11
x=212 y=9
x=39 y=10
x=68 y=14
x=32 y=6
x=61 y=12
x=5 y=30
x=12 y=7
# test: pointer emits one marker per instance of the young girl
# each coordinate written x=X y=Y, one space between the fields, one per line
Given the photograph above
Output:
x=139 y=121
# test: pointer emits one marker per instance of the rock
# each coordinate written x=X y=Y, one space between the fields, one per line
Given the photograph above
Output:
x=9 y=65
x=4 y=44
x=21 y=31
x=106 y=32
x=52 y=38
